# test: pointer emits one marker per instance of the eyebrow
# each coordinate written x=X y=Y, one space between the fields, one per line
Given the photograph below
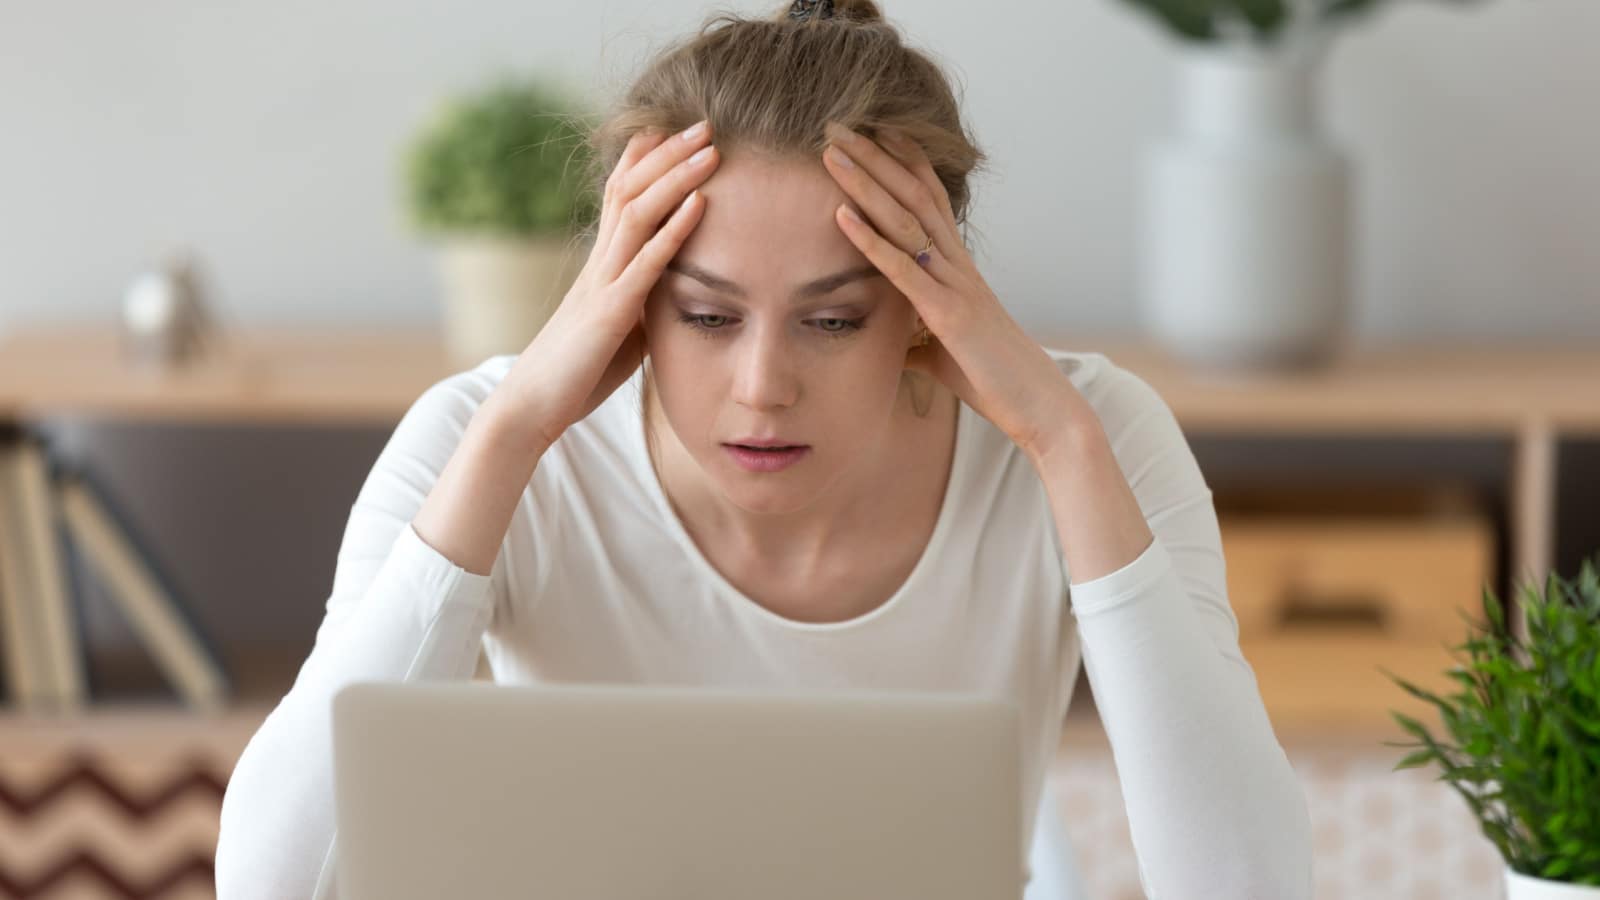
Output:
x=817 y=288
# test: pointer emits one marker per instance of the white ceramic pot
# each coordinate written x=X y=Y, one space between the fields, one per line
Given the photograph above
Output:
x=499 y=291
x=1245 y=219
x=1527 y=887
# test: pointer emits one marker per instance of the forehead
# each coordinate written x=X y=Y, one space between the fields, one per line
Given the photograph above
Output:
x=770 y=222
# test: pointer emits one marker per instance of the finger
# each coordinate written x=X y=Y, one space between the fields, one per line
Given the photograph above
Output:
x=638 y=147
x=640 y=144
x=893 y=198
x=656 y=154
x=892 y=220
x=646 y=267
x=934 y=301
x=662 y=158
x=911 y=155
x=641 y=216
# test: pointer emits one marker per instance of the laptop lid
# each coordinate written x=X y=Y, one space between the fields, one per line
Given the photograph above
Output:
x=625 y=792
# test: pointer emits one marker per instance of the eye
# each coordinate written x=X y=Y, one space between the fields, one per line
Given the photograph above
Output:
x=710 y=324
x=845 y=326
x=701 y=323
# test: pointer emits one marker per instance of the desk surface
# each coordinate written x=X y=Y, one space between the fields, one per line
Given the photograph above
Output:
x=371 y=376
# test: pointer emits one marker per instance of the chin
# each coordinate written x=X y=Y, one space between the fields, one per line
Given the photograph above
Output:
x=769 y=502
x=773 y=493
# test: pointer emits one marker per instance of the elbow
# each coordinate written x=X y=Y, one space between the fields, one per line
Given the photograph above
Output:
x=231 y=863
x=1285 y=868
x=1282 y=846
x=1284 y=875
x=241 y=864
x=1271 y=859
x=264 y=849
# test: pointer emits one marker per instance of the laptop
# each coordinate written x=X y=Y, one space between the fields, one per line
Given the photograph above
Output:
x=626 y=792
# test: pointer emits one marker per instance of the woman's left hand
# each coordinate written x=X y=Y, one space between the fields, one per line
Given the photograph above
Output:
x=977 y=349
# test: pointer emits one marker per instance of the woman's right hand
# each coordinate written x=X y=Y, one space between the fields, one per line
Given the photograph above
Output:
x=595 y=338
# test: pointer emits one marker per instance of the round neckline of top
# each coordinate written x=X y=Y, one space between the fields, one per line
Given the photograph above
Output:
x=954 y=482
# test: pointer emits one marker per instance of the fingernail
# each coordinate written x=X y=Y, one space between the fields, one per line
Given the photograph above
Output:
x=840 y=157
x=695 y=131
x=851 y=215
x=701 y=155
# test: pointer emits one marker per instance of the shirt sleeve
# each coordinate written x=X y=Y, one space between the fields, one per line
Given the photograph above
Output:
x=1214 y=807
x=398 y=611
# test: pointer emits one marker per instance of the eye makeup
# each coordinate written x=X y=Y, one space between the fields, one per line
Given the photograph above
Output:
x=829 y=326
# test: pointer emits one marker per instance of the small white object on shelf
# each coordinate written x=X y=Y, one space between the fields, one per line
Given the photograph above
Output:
x=166 y=317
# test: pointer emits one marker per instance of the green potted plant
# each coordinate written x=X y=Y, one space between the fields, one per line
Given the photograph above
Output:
x=1524 y=737
x=495 y=177
x=1245 y=214
x=1265 y=23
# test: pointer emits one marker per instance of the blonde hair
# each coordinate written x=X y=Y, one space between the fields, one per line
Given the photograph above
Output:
x=769 y=85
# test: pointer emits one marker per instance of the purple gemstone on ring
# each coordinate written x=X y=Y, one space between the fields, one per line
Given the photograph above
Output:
x=923 y=256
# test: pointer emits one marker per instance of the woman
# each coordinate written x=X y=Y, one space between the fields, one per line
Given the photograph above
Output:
x=960 y=508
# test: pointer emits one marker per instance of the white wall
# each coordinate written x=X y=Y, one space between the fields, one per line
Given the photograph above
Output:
x=268 y=135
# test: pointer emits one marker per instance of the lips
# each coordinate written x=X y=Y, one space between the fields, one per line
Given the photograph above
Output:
x=765 y=444
x=766 y=459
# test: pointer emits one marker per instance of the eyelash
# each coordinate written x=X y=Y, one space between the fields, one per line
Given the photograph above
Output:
x=851 y=326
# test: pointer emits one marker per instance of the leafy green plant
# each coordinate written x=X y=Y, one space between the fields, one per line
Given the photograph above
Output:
x=1265 y=22
x=1526 y=730
x=509 y=159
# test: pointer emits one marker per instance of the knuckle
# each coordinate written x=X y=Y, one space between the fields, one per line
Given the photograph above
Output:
x=904 y=266
x=617 y=185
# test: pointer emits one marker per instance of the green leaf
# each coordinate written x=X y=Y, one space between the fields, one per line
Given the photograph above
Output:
x=1191 y=19
x=1413 y=760
x=510 y=158
x=1267 y=16
x=1526 y=726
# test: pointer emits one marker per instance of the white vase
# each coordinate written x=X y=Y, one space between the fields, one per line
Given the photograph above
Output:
x=1245 y=220
x=1527 y=887
x=500 y=290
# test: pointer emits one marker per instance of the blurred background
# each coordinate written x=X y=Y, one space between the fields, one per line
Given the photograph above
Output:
x=1366 y=282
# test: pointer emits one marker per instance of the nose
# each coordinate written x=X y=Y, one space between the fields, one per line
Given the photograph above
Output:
x=766 y=377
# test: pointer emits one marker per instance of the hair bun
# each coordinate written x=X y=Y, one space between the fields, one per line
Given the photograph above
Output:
x=853 y=10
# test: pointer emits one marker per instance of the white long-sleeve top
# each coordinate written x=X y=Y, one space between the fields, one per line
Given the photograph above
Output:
x=598 y=581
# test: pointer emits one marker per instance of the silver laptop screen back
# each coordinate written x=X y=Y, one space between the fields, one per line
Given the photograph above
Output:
x=584 y=792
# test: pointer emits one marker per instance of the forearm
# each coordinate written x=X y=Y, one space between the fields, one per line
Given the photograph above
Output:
x=1213 y=804
x=1214 y=807
x=466 y=514
x=1097 y=516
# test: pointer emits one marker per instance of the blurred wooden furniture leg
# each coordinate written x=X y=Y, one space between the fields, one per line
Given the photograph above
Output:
x=54 y=612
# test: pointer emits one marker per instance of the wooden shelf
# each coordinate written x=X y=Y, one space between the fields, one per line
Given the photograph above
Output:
x=1531 y=395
